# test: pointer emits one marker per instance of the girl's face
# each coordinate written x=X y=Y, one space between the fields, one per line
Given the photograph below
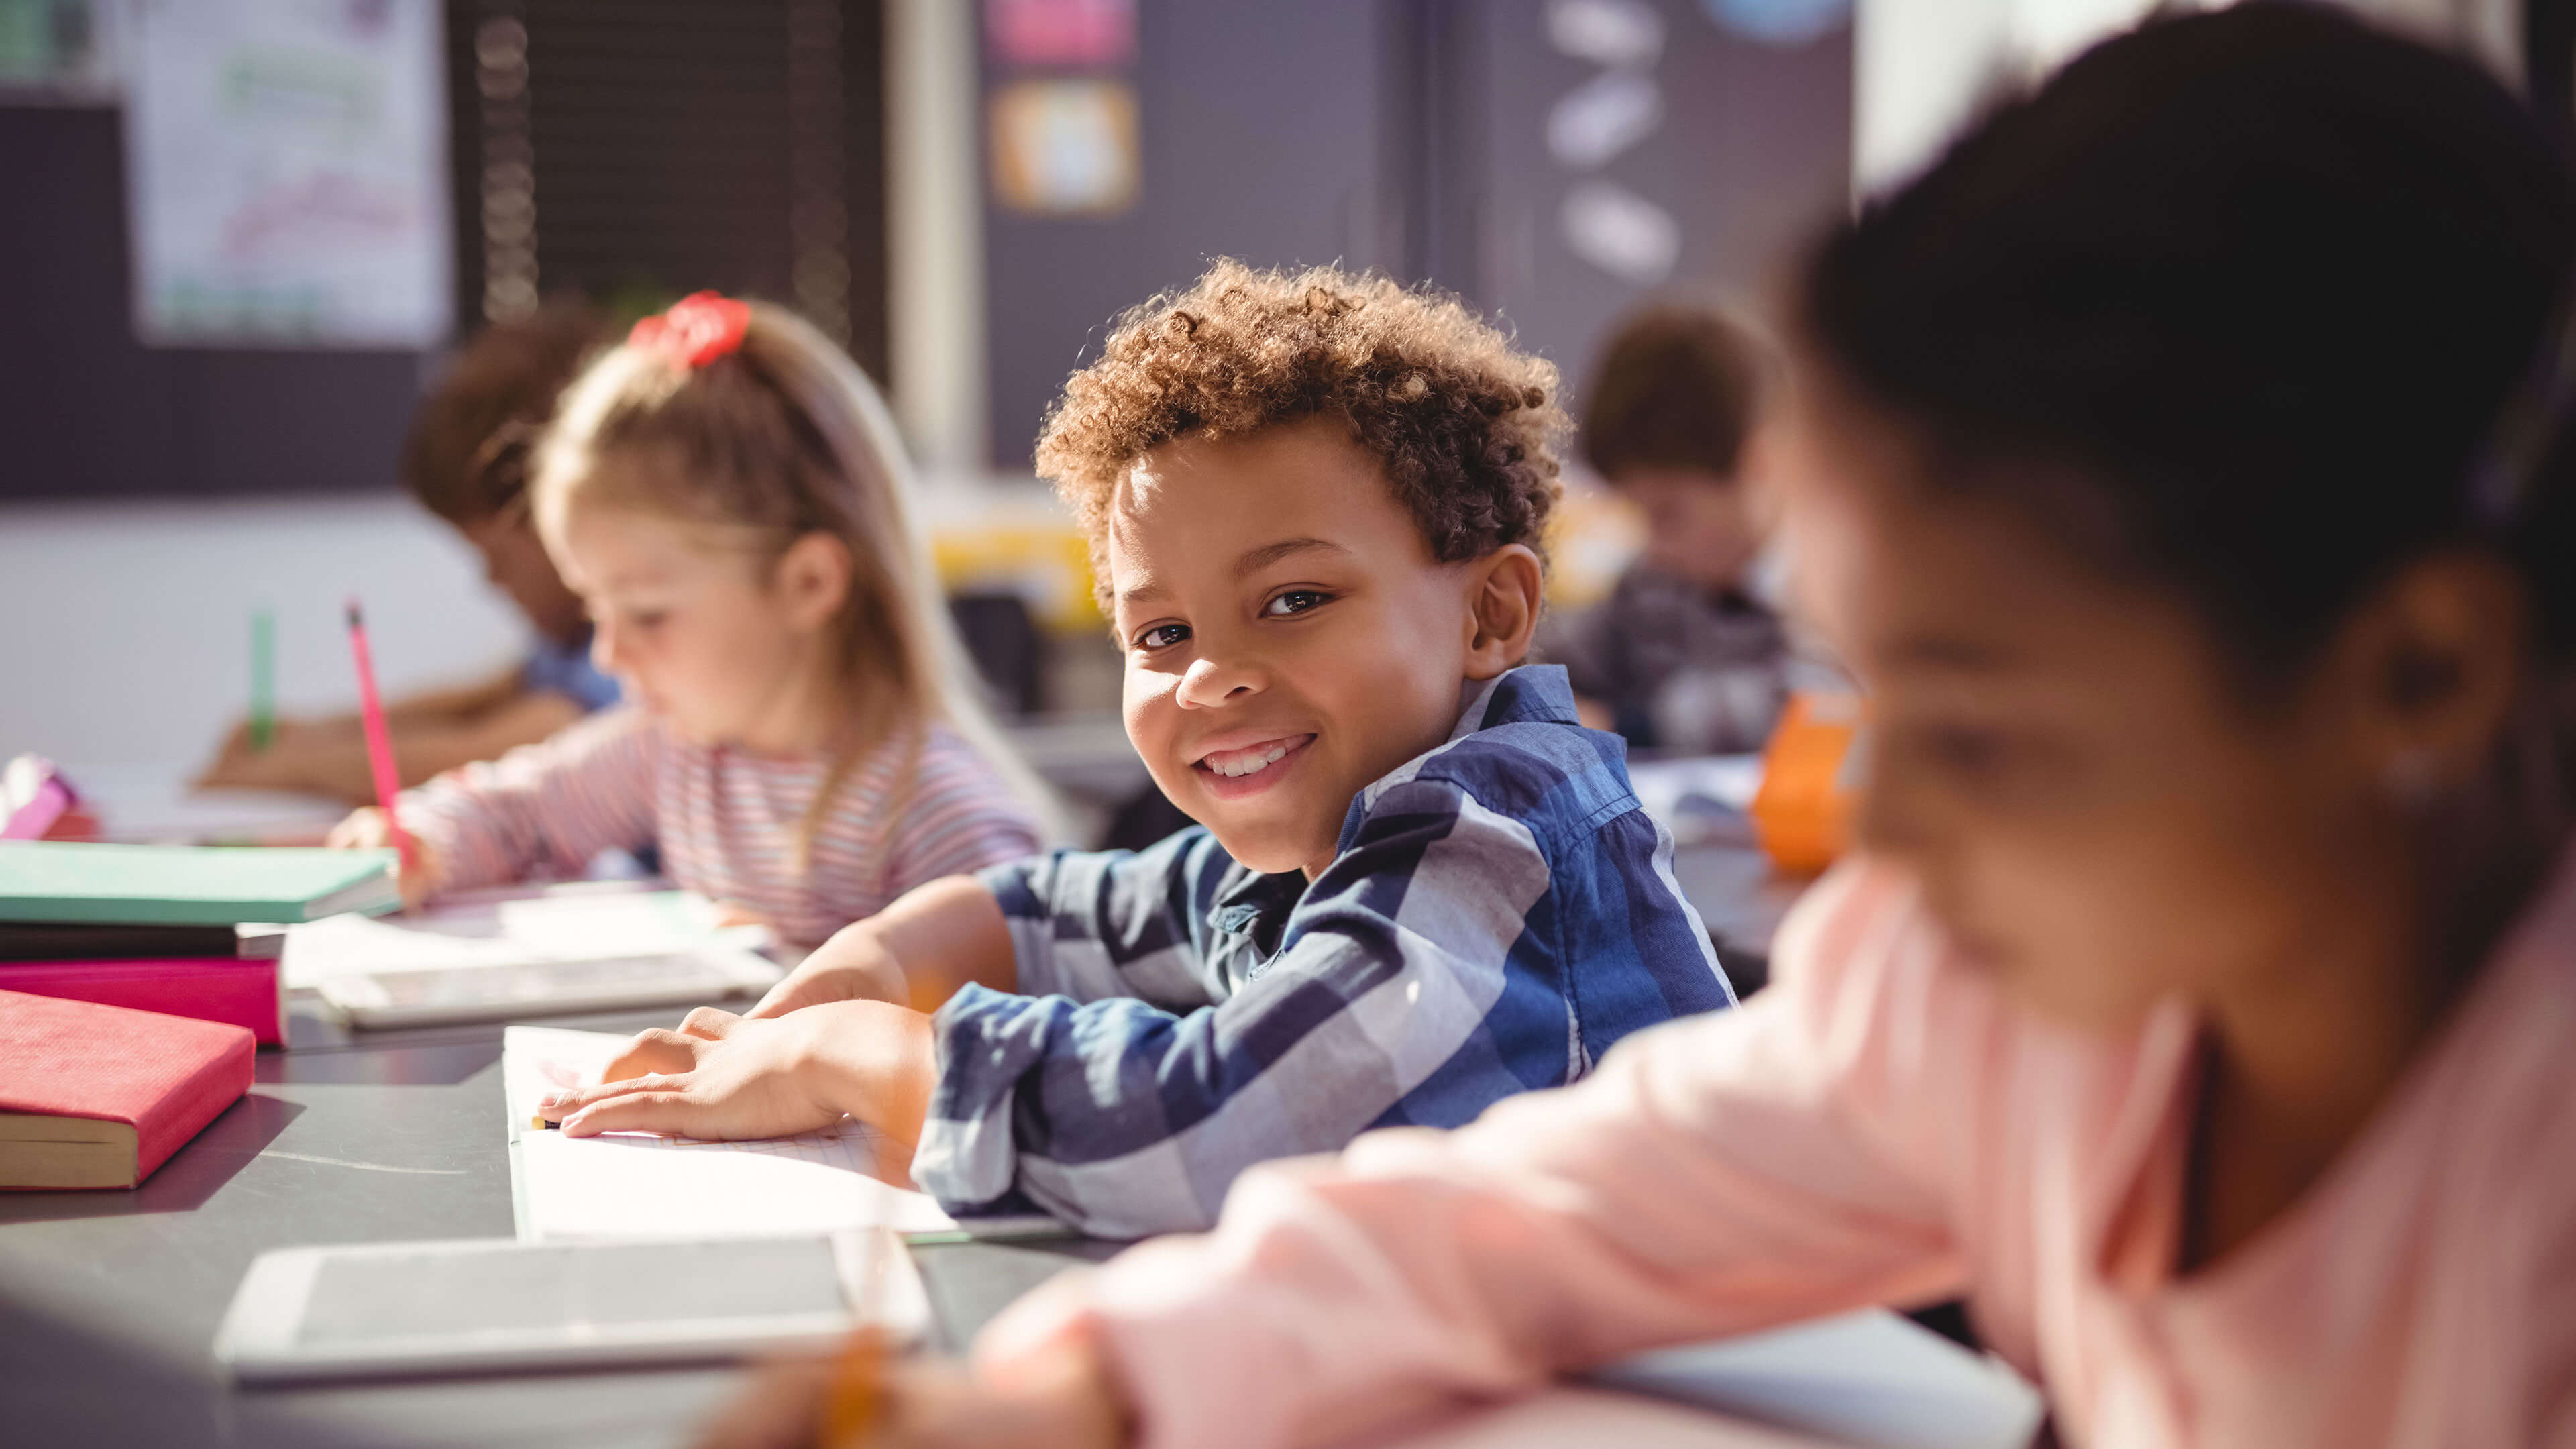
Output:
x=2092 y=812
x=695 y=633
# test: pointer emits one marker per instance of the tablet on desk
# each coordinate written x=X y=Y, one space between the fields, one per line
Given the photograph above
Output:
x=445 y=995
x=390 y=1309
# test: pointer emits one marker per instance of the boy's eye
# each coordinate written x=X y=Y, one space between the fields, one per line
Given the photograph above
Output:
x=1162 y=636
x=1295 y=601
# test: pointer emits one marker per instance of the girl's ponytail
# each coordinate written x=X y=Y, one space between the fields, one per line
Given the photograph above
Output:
x=846 y=410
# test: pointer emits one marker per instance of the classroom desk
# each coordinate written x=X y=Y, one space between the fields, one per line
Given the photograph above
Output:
x=383 y=1136
x=109 y=1300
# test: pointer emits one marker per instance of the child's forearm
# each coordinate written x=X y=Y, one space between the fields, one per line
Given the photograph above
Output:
x=945 y=935
x=917 y=952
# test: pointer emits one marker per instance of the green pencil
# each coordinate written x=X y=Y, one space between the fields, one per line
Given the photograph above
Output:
x=263 y=678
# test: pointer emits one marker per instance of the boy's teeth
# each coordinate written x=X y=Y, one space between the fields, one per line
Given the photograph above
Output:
x=1249 y=764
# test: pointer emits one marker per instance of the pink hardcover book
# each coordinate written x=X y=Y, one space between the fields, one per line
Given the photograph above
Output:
x=238 y=993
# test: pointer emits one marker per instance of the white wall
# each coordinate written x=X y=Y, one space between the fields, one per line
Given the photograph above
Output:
x=1921 y=68
x=125 y=630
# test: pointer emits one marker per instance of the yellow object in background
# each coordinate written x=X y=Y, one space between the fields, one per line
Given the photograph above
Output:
x=1031 y=550
x=1810 y=779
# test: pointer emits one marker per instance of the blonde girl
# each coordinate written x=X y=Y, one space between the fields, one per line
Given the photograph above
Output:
x=803 y=741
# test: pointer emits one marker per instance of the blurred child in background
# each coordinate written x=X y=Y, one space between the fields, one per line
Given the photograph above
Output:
x=805 y=741
x=1682 y=656
x=466 y=460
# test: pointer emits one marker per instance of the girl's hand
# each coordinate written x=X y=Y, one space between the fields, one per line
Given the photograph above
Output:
x=1064 y=1399
x=852 y=966
x=722 y=1076
x=423 y=872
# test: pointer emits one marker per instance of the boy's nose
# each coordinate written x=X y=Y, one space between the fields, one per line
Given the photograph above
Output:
x=1210 y=682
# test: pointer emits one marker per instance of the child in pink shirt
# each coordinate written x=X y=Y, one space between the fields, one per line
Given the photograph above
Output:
x=803 y=741
x=2183 y=464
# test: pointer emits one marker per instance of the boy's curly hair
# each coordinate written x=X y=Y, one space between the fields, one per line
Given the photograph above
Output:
x=1463 y=423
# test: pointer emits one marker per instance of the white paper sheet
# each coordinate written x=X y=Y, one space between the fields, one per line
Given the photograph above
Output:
x=561 y=923
x=628 y=1185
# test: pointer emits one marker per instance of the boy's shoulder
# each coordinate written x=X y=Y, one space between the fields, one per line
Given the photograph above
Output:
x=1520 y=751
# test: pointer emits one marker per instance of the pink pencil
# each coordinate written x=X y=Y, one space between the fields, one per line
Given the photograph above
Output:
x=380 y=740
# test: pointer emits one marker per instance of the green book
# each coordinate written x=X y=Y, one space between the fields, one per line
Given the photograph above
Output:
x=190 y=885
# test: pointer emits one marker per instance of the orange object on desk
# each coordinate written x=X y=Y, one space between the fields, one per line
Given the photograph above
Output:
x=1810 y=779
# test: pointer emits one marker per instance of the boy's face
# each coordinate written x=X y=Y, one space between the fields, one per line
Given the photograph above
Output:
x=1700 y=526
x=1288 y=636
x=514 y=560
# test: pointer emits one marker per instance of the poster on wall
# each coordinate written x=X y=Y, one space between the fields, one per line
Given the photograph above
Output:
x=57 y=52
x=286 y=172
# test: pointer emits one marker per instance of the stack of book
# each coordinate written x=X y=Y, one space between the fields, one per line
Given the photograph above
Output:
x=186 y=931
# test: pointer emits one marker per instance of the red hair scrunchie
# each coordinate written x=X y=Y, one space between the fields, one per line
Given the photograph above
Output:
x=697 y=329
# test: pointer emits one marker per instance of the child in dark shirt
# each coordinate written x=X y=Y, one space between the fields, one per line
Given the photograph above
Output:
x=1681 y=656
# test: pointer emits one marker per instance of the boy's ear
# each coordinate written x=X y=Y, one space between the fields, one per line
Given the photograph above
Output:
x=1504 y=590
x=812 y=579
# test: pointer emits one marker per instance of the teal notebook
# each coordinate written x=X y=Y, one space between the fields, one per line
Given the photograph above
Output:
x=189 y=885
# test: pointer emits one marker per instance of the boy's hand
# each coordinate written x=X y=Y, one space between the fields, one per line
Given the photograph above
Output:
x=1063 y=1399
x=423 y=872
x=727 y=1077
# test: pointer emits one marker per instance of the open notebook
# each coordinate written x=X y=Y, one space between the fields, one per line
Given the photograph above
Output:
x=629 y=1185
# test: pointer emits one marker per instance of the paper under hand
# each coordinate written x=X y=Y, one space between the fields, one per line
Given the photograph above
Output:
x=631 y=1185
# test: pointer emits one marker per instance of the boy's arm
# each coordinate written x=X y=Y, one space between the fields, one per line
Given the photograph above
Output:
x=1128 y=1118
x=1081 y=923
x=842 y=1033
x=915 y=953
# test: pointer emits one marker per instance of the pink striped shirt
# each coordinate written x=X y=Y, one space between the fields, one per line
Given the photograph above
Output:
x=725 y=819
x=1882 y=1127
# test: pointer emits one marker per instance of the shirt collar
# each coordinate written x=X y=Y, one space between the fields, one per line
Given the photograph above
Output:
x=1530 y=694
x=1256 y=906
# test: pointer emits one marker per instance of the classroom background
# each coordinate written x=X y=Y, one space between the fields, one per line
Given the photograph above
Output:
x=242 y=240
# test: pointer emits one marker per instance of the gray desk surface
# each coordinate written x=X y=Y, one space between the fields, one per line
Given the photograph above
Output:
x=109 y=1300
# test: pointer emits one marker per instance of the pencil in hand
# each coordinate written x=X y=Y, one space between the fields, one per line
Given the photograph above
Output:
x=380 y=740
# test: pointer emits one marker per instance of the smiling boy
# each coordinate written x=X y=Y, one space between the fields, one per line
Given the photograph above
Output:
x=1417 y=885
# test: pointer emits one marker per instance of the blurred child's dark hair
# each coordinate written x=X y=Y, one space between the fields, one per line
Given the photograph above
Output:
x=1678 y=386
x=2235 y=302
x=466 y=455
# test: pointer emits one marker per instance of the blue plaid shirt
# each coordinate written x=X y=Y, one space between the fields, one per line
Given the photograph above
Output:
x=1500 y=911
